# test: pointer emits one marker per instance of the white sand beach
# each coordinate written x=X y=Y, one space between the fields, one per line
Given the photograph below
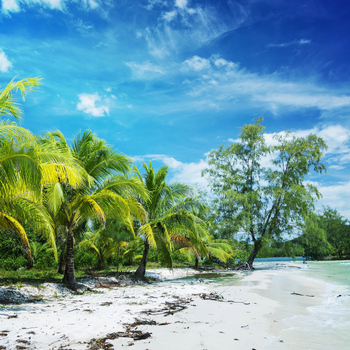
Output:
x=248 y=317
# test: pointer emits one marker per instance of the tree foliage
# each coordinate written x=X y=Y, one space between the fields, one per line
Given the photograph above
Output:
x=264 y=201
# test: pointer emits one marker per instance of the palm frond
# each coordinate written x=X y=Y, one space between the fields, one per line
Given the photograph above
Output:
x=147 y=231
x=8 y=222
x=8 y=104
x=183 y=242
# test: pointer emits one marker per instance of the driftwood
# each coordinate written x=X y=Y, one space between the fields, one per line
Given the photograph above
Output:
x=170 y=308
x=218 y=297
x=302 y=295
x=244 y=266
x=135 y=334
x=211 y=296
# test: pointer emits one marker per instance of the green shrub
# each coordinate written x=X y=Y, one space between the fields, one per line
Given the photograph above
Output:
x=13 y=263
x=46 y=261
x=85 y=259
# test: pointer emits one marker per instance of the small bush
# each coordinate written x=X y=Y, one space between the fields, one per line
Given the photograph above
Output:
x=46 y=261
x=85 y=259
x=13 y=263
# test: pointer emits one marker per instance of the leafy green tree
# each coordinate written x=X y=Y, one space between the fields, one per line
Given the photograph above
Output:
x=337 y=230
x=314 y=239
x=106 y=192
x=168 y=215
x=264 y=202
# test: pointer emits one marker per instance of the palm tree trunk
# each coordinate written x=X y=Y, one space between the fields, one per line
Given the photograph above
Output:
x=100 y=262
x=140 y=272
x=62 y=261
x=69 y=273
x=196 y=263
x=118 y=261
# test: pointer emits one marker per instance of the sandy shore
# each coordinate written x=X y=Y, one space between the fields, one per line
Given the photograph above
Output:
x=248 y=317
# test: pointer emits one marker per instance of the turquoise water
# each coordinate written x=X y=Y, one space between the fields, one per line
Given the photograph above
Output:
x=328 y=325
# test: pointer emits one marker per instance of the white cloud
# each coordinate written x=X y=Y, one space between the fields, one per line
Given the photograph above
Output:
x=153 y=3
x=295 y=42
x=189 y=173
x=108 y=89
x=197 y=63
x=14 y=5
x=336 y=137
x=91 y=3
x=190 y=28
x=10 y=6
x=322 y=101
x=336 y=167
x=220 y=62
x=87 y=104
x=169 y=16
x=236 y=84
x=336 y=196
x=144 y=70
x=181 y=4
x=5 y=64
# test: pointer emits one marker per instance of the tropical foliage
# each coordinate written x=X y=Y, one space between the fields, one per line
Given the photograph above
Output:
x=84 y=203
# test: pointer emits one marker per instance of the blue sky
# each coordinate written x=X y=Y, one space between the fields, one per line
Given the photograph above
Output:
x=170 y=80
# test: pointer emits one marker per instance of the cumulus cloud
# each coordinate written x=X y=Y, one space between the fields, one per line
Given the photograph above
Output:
x=189 y=173
x=335 y=196
x=197 y=63
x=168 y=16
x=87 y=104
x=181 y=3
x=5 y=64
x=10 y=6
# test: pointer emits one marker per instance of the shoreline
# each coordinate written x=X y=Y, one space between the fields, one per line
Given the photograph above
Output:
x=243 y=320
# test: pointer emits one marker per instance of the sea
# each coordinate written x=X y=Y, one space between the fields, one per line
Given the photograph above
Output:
x=325 y=326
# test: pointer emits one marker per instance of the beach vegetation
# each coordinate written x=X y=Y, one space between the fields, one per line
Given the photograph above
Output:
x=260 y=189
x=106 y=192
x=83 y=207
x=168 y=218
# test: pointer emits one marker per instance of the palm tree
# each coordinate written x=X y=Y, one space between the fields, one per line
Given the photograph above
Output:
x=107 y=191
x=168 y=215
x=210 y=247
x=8 y=104
x=25 y=167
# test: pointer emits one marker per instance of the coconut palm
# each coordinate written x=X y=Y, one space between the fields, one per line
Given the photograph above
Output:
x=168 y=215
x=8 y=104
x=25 y=167
x=106 y=192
